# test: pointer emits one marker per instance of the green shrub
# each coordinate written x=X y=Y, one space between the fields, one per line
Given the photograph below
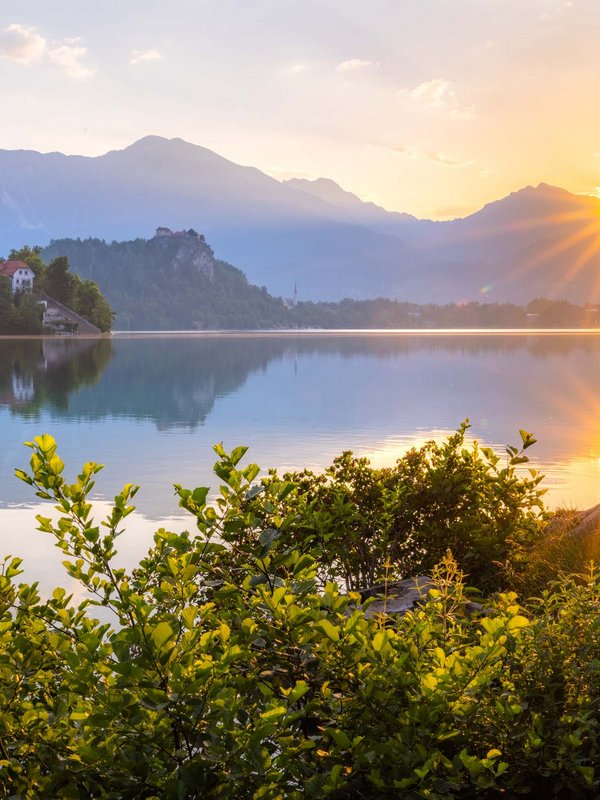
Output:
x=440 y=497
x=227 y=671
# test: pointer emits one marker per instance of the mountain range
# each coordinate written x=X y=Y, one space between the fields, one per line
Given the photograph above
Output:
x=538 y=241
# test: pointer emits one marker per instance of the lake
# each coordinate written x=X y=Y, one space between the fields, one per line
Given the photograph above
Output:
x=151 y=407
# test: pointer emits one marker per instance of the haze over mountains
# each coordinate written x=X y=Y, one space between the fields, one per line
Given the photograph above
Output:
x=541 y=241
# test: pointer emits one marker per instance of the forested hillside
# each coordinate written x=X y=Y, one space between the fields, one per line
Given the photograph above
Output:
x=174 y=282
x=170 y=282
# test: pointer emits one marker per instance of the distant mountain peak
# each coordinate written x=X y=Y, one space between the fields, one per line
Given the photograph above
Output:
x=331 y=192
x=152 y=140
x=327 y=182
x=329 y=240
x=547 y=188
x=168 y=148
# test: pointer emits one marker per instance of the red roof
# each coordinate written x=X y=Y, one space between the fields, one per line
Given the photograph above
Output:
x=10 y=267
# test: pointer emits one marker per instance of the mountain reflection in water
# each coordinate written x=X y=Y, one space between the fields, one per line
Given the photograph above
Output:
x=150 y=408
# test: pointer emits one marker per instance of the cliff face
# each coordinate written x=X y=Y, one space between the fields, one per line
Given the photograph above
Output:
x=184 y=249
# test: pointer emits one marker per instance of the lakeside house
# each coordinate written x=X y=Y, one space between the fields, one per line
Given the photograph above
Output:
x=21 y=275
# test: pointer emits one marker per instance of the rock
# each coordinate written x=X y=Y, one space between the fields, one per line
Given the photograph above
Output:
x=403 y=596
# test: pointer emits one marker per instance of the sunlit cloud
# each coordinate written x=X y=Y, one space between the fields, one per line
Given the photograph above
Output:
x=448 y=161
x=439 y=94
x=354 y=64
x=69 y=58
x=25 y=45
x=140 y=56
x=297 y=69
x=559 y=8
x=405 y=150
x=442 y=159
x=434 y=93
x=21 y=44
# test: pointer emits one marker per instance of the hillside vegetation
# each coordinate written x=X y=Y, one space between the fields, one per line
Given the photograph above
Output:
x=21 y=314
x=170 y=282
x=233 y=664
x=174 y=282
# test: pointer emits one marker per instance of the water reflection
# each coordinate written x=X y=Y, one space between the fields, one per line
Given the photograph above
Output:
x=150 y=408
x=176 y=381
x=42 y=373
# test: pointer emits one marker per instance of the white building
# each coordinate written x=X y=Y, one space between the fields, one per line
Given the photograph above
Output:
x=20 y=273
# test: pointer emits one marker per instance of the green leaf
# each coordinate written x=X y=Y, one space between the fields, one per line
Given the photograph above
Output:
x=527 y=439
x=254 y=492
x=328 y=629
x=267 y=538
x=273 y=713
x=379 y=641
x=237 y=454
x=517 y=622
x=46 y=444
x=588 y=774
x=161 y=634
x=188 y=616
x=199 y=495
x=298 y=691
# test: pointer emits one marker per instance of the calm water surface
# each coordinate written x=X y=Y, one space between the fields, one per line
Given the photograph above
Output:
x=150 y=408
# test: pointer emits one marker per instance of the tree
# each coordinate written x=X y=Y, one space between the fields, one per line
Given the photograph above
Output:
x=60 y=283
x=27 y=314
x=19 y=313
x=92 y=305
x=6 y=305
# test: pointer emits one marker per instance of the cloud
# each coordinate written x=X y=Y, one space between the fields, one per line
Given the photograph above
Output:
x=297 y=69
x=442 y=159
x=139 y=56
x=25 y=45
x=355 y=63
x=69 y=58
x=447 y=161
x=438 y=93
x=21 y=44
x=433 y=93
x=404 y=150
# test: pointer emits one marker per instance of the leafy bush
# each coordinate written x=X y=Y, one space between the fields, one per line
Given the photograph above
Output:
x=440 y=497
x=227 y=672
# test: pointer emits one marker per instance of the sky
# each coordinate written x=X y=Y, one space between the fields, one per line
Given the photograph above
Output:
x=433 y=107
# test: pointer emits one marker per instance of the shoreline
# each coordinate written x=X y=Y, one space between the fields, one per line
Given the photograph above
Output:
x=308 y=332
